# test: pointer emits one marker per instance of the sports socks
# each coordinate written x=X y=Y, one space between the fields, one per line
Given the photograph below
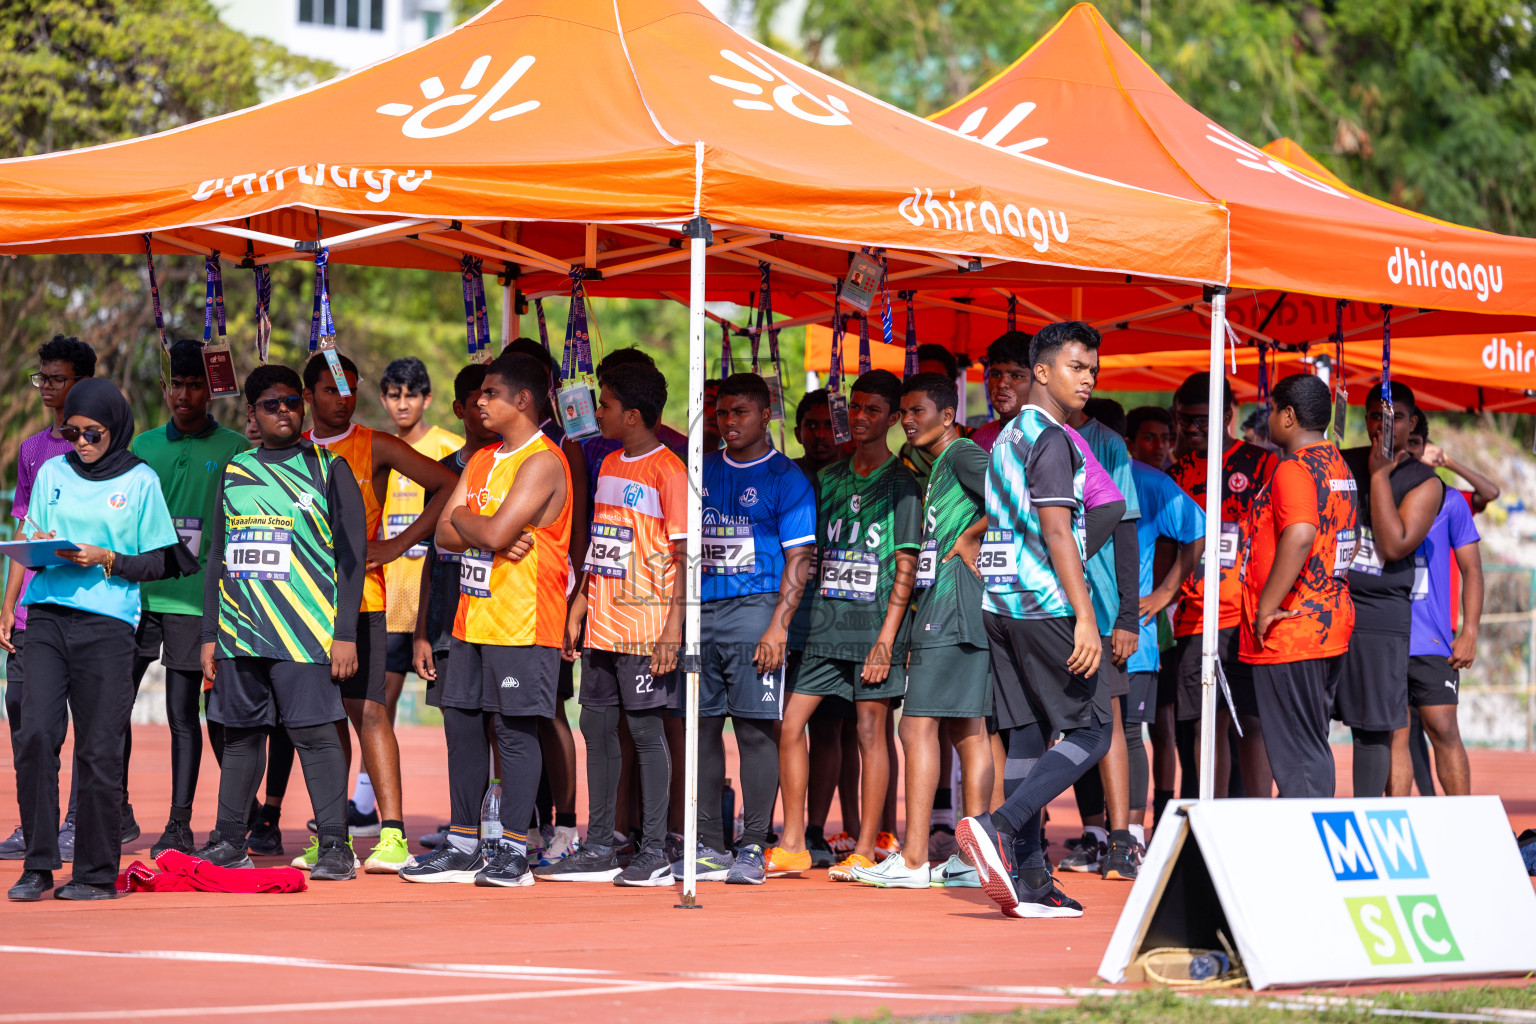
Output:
x=1023 y=748
x=1373 y=761
x=1186 y=738
x=1054 y=770
x=362 y=794
x=944 y=807
x=1136 y=756
x=1160 y=800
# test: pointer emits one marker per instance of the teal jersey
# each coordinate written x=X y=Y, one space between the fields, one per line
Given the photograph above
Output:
x=946 y=607
x=861 y=523
x=125 y=514
x=1109 y=448
x=1034 y=464
x=189 y=467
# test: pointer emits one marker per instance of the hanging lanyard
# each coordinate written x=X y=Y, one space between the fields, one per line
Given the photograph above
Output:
x=727 y=364
x=154 y=292
x=213 y=300
x=911 y=367
x=263 y=304
x=865 y=363
x=578 y=346
x=835 y=378
x=471 y=324
x=538 y=309
x=1013 y=312
x=322 y=328
x=1388 y=413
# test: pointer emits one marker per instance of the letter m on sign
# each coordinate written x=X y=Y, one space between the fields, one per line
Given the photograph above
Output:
x=1344 y=844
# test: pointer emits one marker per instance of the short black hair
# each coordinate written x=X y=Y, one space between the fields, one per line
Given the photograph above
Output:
x=468 y=381
x=811 y=400
x=747 y=385
x=1108 y=412
x=522 y=372
x=1052 y=338
x=939 y=388
x=713 y=382
x=1146 y=414
x=623 y=357
x=637 y=385
x=1402 y=394
x=317 y=365
x=883 y=383
x=1196 y=390
x=939 y=354
x=187 y=359
x=1420 y=427
x=407 y=373
x=529 y=347
x=69 y=350
x=1009 y=347
x=1308 y=395
x=269 y=376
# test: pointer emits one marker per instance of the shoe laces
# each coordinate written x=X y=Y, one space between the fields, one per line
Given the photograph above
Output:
x=501 y=858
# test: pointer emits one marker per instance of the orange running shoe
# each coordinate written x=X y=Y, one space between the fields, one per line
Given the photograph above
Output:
x=885 y=845
x=783 y=864
x=843 y=872
x=842 y=843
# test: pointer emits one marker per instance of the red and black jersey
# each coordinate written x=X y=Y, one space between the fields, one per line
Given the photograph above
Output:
x=1246 y=468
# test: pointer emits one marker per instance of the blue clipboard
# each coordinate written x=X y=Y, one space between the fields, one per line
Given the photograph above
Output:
x=37 y=554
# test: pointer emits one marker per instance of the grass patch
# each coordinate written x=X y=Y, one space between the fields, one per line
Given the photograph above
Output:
x=1163 y=1006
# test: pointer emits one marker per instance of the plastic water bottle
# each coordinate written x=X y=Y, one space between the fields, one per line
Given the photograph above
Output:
x=490 y=815
x=1207 y=965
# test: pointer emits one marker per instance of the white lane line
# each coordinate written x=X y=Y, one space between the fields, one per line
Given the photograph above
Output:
x=211 y=1012
x=934 y=997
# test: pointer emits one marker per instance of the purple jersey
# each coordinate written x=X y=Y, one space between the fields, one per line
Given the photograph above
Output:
x=35 y=451
x=1452 y=529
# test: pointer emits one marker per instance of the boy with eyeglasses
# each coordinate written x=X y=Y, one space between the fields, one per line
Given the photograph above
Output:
x=61 y=362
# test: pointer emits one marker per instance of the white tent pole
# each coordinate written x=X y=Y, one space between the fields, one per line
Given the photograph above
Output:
x=698 y=242
x=1216 y=429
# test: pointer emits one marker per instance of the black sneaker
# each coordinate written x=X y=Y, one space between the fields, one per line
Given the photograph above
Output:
x=358 y=823
x=177 y=836
x=1120 y=860
x=1047 y=901
x=432 y=840
x=67 y=839
x=507 y=868
x=131 y=830
x=589 y=864
x=821 y=853
x=335 y=862
x=447 y=863
x=647 y=868
x=991 y=851
x=222 y=853
x=86 y=891
x=266 y=838
x=1086 y=857
x=14 y=848
x=29 y=888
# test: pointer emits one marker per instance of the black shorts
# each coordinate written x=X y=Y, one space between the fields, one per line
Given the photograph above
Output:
x=1141 y=702
x=515 y=681
x=433 y=697
x=250 y=693
x=624 y=680
x=730 y=683
x=1186 y=660
x=1030 y=681
x=1115 y=676
x=399 y=652
x=368 y=682
x=565 y=685
x=1432 y=682
x=1167 y=678
x=1373 y=682
x=176 y=641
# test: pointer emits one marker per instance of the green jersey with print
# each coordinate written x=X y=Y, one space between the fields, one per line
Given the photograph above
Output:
x=277 y=583
x=189 y=467
x=861 y=522
x=947 y=610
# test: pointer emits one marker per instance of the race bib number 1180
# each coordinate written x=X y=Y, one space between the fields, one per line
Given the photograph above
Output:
x=258 y=552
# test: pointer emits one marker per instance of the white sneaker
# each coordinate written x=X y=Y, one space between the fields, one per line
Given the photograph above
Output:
x=893 y=873
x=562 y=844
x=956 y=873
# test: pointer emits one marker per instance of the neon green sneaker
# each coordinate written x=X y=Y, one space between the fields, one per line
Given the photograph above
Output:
x=306 y=860
x=389 y=855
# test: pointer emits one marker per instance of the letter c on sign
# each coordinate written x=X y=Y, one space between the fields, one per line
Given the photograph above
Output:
x=1421 y=911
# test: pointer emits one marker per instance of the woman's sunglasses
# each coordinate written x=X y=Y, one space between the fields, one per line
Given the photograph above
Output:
x=270 y=406
x=73 y=435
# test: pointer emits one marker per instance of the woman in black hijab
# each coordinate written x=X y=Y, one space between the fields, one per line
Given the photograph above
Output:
x=84 y=607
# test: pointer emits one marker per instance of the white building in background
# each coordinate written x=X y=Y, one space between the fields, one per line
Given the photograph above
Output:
x=348 y=33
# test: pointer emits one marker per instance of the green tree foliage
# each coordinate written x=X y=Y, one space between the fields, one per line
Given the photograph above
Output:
x=1427 y=103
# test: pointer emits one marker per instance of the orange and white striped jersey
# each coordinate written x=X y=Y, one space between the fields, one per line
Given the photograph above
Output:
x=506 y=603
x=356 y=446
x=639 y=508
x=404 y=499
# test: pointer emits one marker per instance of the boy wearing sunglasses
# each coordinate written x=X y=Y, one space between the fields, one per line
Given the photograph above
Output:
x=188 y=454
x=286 y=563
x=60 y=363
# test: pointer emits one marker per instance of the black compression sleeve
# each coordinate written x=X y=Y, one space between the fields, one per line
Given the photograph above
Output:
x=215 y=570
x=349 y=538
x=1102 y=520
x=1128 y=575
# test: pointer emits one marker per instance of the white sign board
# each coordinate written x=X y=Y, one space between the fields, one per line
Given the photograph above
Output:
x=1317 y=891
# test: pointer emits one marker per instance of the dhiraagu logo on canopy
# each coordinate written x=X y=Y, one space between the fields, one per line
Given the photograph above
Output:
x=1369 y=851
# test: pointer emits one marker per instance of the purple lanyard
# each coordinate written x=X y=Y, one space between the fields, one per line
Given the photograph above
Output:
x=578 y=346
x=1013 y=312
x=321 y=325
x=835 y=377
x=154 y=291
x=213 y=300
x=911 y=367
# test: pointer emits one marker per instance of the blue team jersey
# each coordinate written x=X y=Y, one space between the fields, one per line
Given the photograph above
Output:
x=1166 y=511
x=126 y=514
x=1034 y=463
x=1452 y=529
x=753 y=513
x=1109 y=448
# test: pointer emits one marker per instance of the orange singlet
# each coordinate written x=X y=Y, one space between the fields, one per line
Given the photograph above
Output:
x=506 y=603
x=356 y=446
